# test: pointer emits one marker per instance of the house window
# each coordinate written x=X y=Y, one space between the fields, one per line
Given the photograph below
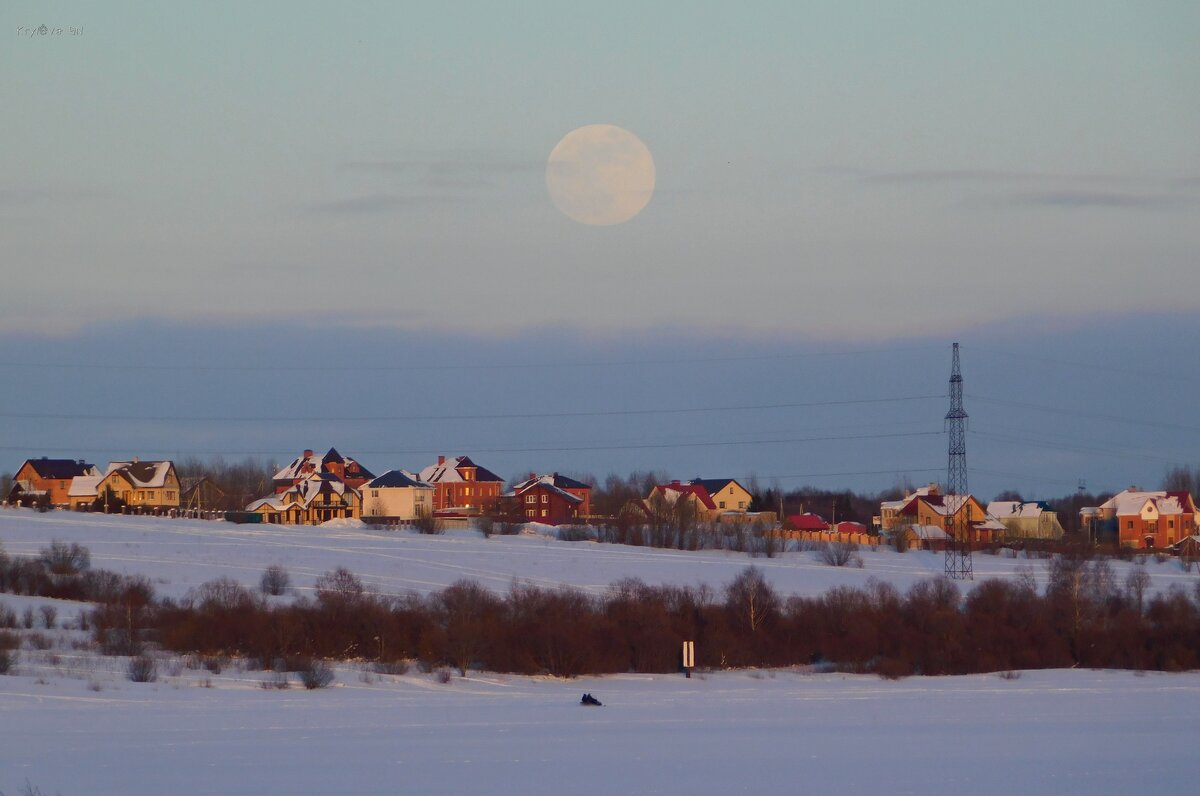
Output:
x=1129 y=525
x=722 y=504
x=530 y=512
x=1170 y=523
x=741 y=504
x=374 y=493
x=545 y=498
x=467 y=491
x=531 y=498
x=545 y=513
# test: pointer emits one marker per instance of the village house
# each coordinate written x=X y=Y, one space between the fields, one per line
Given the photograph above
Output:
x=947 y=512
x=1026 y=520
x=726 y=493
x=396 y=497
x=1138 y=518
x=139 y=485
x=333 y=463
x=461 y=487
x=889 y=510
x=318 y=498
x=47 y=480
x=548 y=499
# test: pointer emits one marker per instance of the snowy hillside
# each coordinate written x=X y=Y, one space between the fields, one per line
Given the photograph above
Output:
x=180 y=554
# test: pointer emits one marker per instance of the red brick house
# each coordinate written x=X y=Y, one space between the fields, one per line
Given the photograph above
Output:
x=49 y=477
x=1149 y=519
x=461 y=487
x=541 y=499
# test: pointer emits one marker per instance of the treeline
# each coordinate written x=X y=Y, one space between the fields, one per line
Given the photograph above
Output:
x=1084 y=618
x=238 y=482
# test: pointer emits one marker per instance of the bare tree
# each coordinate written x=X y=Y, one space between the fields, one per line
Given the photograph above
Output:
x=752 y=600
x=1136 y=584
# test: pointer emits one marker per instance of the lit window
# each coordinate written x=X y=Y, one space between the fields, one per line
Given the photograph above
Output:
x=531 y=512
x=531 y=498
x=545 y=513
x=545 y=498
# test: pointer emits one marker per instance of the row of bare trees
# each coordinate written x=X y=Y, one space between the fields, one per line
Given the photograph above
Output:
x=1084 y=617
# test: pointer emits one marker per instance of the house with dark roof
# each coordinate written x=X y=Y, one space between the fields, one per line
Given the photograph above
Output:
x=396 y=496
x=142 y=485
x=319 y=498
x=47 y=479
x=462 y=487
x=548 y=499
x=307 y=464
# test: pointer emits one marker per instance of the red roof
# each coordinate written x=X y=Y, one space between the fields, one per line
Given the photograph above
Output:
x=851 y=527
x=807 y=522
x=690 y=489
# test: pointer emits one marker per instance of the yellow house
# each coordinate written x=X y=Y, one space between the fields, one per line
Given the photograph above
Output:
x=396 y=496
x=319 y=498
x=726 y=493
x=147 y=485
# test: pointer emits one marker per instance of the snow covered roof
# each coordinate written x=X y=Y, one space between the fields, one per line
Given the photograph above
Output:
x=928 y=533
x=546 y=482
x=447 y=472
x=85 y=486
x=1130 y=502
x=141 y=475
x=1010 y=509
x=672 y=492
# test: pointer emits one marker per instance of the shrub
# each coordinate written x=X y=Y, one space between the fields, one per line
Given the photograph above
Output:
x=8 y=659
x=838 y=554
x=49 y=616
x=63 y=559
x=143 y=669
x=27 y=618
x=316 y=674
x=574 y=533
x=275 y=580
x=442 y=675
x=8 y=617
x=9 y=641
x=1010 y=675
x=390 y=667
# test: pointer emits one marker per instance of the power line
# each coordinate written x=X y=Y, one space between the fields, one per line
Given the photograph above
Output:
x=481 y=366
x=563 y=449
x=427 y=418
x=1090 y=415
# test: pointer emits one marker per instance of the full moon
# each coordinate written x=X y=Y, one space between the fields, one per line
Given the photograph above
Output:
x=600 y=174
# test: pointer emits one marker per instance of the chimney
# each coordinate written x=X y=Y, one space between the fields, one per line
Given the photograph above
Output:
x=307 y=453
x=532 y=476
x=441 y=460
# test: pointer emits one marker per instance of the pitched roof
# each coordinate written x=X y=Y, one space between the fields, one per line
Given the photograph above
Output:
x=59 y=469
x=448 y=472
x=396 y=479
x=303 y=466
x=85 y=486
x=545 y=482
x=807 y=522
x=1131 y=501
x=715 y=485
x=142 y=475
x=673 y=491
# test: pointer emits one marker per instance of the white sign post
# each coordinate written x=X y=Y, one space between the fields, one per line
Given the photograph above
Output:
x=689 y=658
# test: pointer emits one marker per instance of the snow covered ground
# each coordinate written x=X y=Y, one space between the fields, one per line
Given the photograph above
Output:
x=1052 y=732
x=181 y=554
x=72 y=723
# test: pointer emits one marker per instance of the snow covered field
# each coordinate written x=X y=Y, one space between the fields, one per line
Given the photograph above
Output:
x=1053 y=732
x=72 y=723
x=181 y=554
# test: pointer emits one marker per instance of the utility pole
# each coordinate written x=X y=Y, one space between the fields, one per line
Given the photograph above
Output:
x=958 y=547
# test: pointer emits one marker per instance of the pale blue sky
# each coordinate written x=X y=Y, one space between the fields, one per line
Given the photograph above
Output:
x=383 y=163
x=360 y=183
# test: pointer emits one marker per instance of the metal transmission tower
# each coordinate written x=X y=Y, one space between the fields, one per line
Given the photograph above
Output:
x=958 y=547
